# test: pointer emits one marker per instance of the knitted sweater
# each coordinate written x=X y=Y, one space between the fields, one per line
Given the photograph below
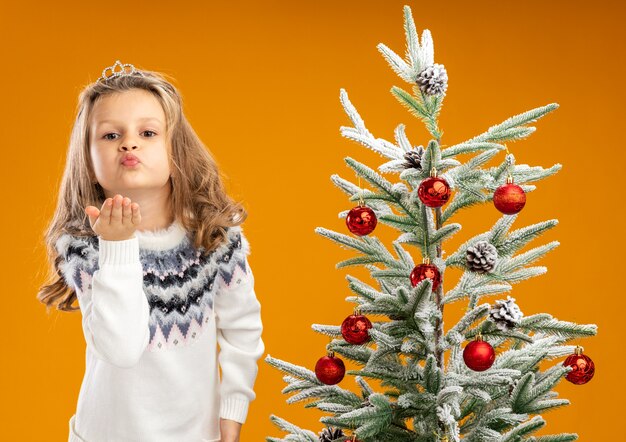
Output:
x=153 y=311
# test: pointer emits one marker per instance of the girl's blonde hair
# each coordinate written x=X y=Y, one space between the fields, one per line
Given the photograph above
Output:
x=199 y=201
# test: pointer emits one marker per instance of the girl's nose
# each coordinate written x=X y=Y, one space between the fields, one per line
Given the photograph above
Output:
x=128 y=144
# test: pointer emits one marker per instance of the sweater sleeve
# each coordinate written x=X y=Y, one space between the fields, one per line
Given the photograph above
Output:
x=239 y=328
x=115 y=310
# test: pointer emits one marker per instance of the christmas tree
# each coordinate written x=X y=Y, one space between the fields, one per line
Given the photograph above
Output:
x=490 y=388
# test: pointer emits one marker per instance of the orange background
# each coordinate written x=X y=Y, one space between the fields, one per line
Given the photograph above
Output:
x=261 y=86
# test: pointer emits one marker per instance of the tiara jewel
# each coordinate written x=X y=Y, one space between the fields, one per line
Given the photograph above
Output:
x=123 y=70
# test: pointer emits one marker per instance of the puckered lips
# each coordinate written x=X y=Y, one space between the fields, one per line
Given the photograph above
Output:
x=130 y=160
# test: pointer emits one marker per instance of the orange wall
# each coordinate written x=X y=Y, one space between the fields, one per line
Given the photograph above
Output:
x=261 y=85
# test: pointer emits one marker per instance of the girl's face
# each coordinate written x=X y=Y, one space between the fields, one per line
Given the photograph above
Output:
x=129 y=122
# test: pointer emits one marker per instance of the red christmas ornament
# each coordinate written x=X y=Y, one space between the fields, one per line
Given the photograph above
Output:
x=354 y=328
x=434 y=191
x=584 y=368
x=426 y=270
x=478 y=354
x=509 y=198
x=330 y=369
x=361 y=220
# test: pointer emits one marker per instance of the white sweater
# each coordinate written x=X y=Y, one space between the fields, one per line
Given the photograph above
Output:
x=153 y=311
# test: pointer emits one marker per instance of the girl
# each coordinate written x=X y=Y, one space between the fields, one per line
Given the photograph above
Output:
x=146 y=240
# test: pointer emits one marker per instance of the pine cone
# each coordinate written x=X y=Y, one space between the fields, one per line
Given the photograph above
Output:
x=506 y=314
x=482 y=257
x=329 y=434
x=414 y=158
x=433 y=80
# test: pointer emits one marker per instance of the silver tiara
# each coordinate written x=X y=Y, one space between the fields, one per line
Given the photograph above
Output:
x=125 y=69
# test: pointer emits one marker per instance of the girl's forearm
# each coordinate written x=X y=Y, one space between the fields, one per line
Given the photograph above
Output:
x=229 y=430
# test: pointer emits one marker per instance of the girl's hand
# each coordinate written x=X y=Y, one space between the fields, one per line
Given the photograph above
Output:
x=117 y=220
x=229 y=430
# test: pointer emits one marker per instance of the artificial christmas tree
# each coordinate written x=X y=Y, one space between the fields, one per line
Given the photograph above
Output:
x=490 y=388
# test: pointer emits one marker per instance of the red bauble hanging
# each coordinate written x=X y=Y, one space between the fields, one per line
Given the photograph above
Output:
x=479 y=355
x=584 y=368
x=330 y=369
x=509 y=198
x=426 y=270
x=354 y=328
x=434 y=191
x=361 y=220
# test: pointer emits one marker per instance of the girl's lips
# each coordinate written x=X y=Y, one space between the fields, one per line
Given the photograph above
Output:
x=130 y=163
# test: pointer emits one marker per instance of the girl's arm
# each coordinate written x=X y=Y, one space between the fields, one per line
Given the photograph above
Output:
x=114 y=307
x=230 y=431
x=239 y=327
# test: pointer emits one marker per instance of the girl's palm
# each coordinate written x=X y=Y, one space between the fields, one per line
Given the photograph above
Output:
x=117 y=220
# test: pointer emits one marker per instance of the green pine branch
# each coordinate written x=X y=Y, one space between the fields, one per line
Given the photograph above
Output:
x=297 y=434
x=563 y=437
x=514 y=128
x=529 y=395
x=545 y=324
x=426 y=108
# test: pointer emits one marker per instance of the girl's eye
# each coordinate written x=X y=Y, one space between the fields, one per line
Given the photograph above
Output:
x=106 y=137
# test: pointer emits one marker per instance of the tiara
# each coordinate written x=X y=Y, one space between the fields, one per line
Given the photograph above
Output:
x=123 y=71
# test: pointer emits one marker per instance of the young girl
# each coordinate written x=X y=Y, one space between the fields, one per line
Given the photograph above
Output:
x=146 y=240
